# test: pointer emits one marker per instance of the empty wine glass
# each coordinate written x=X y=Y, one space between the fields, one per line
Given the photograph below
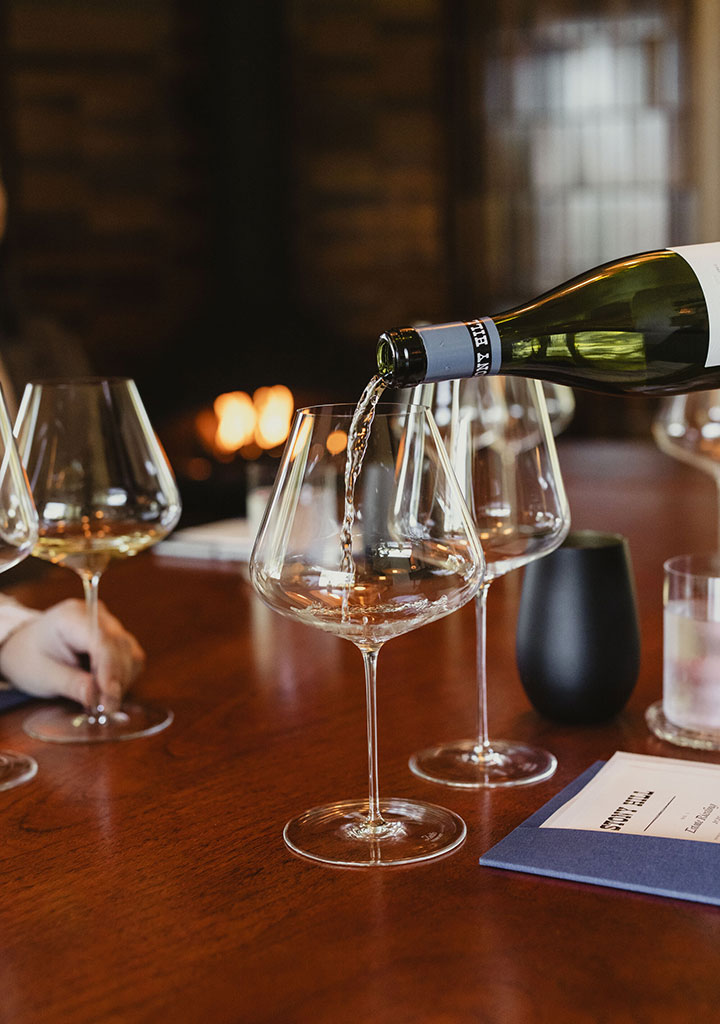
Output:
x=367 y=557
x=501 y=446
x=18 y=533
x=560 y=402
x=687 y=427
x=104 y=490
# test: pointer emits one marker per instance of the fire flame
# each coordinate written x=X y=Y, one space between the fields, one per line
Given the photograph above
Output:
x=263 y=420
x=235 y=420
x=274 y=413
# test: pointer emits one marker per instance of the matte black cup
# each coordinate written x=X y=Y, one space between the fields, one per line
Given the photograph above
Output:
x=578 y=641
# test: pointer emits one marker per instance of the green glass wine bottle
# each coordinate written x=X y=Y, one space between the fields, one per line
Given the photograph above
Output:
x=648 y=323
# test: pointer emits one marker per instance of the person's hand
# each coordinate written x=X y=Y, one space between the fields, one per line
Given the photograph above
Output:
x=41 y=657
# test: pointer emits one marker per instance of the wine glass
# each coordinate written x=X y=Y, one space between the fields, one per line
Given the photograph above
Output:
x=501 y=446
x=560 y=402
x=367 y=546
x=18 y=533
x=687 y=427
x=104 y=490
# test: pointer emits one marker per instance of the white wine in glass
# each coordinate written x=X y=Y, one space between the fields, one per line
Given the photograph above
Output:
x=104 y=490
x=368 y=558
x=18 y=533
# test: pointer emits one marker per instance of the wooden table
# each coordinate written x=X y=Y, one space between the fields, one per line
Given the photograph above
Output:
x=148 y=881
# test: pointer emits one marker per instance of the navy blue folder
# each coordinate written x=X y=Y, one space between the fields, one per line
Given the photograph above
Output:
x=684 y=869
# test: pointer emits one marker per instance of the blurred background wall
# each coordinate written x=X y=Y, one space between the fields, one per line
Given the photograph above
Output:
x=213 y=197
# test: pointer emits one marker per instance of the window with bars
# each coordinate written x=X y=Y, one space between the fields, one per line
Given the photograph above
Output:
x=576 y=118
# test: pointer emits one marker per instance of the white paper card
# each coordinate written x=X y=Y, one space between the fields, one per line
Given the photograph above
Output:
x=641 y=795
x=226 y=540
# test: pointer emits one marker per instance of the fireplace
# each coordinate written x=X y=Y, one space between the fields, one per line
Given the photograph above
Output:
x=218 y=451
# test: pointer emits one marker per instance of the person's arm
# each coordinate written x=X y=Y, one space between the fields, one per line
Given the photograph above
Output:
x=12 y=615
x=40 y=652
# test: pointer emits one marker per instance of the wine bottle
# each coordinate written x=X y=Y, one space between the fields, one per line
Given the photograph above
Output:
x=648 y=323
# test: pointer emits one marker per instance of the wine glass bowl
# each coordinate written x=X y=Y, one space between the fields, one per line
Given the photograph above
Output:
x=687 y=427
x=560 y=402
x=500 y=443
x=18 y=517
x=18 y=534
x=104 y=491
x=367 y=558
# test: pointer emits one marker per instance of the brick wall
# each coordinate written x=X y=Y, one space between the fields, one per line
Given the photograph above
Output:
x=107 y=237
x=191 y=179
x=368 y=191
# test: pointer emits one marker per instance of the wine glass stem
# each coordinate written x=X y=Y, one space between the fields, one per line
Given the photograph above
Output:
x=95 y=709
x=370 y=656
x=483 y=745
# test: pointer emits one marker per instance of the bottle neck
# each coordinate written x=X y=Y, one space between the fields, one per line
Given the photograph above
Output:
x=401 y=357
x=440 y=352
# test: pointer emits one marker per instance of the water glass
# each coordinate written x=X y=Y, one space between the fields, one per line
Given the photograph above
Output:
x=689 y=713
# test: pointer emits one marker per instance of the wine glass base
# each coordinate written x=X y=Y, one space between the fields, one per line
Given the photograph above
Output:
x=506 y=764
x=340 y=833
x=16 y=769
x=60 y=724
x=666 y=730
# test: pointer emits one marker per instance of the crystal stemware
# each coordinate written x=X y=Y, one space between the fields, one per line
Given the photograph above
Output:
x=687 y=427
x=104 y=490
x=560 y=402
x=501 y=446
x=18 y=533
x=368 y=552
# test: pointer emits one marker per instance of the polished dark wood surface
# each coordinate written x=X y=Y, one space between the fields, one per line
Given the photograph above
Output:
x=148 y=880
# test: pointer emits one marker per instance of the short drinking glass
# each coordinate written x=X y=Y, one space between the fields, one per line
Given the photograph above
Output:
x=689 y=713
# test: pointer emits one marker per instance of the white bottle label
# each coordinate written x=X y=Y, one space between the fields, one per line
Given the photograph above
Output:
x=705 y=261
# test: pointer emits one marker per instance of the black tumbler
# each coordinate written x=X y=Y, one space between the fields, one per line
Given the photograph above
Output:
x=578 y=641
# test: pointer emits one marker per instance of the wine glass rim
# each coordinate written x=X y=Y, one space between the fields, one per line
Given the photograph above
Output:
x=348 y=408
x=91 y=380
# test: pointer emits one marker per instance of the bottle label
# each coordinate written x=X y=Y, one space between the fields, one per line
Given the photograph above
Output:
x=705 y=261
x=486 y=344
x=460 y=349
